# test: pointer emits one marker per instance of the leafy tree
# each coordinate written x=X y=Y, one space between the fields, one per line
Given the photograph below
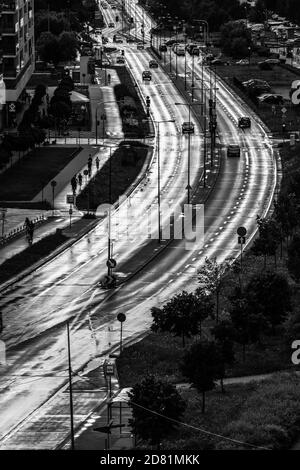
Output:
x=269 y=238
x=269 y=293
x=57 y=22
x=248 y=323
x=153 y=401
x=236 y=39
x=211 y=277
x=178 y=316
x=224 y=335
x=293 y=262
x=204 y=306
x=48 y=48
x=68 y=46
x=201 y=365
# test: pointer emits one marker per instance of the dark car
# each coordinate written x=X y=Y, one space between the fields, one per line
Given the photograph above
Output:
x=244 y=122
x=233 y=151
x=163 y=48
x=153 y=64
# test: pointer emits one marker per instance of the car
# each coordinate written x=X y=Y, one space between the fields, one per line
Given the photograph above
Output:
x=265 y=65
x=272 y=61
x=140 y=47
x=147 y=75
x=233 y=151
x=153 y=64
x=97 y=31
x=111 y=25
x=270 y=98
x=244 y=122
x=188 y=127
x=105 y=40
x=217 y=62
x=163 y=48
x=117 y=39
x=242 y=62
x=120 y=60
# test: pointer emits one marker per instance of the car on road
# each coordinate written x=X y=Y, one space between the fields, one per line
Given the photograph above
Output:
x=153 y=64
x=120 y=60
x=105 y=40
x=147 y=75
x=163 y=48
x=233 y=151
x=272 y=61
x=188 y=127
x=97 y=31
x=118 y=39
x=242 y=62
x=111 y=25
x=244 y=122
x=140 y=47
x=218 y=62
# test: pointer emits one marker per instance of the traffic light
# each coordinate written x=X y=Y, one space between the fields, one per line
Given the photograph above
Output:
x=122 y=51
x=117 y=19
x=131 y=20
x=148 y=101
x=91 y=66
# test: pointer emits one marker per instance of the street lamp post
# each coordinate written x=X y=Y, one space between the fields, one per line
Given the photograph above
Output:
x=158 y=175
x=189 y=147
x=53 y=185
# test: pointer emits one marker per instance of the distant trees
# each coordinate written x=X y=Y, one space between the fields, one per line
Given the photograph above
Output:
x=153 y=401
x=236 y=39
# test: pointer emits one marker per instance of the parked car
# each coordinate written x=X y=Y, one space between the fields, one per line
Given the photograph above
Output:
x=97 y=31
x=153 y=64
x=188 y=127
x=233 y=151
x=111 y=25
x=272 y=61
x=140 y=47
x=242 y=62
x=270 y=98
x=218 y=62
x=244 y=122
x=163 y=48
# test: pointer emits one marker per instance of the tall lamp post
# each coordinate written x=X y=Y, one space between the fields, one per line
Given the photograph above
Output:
x=96 y=117
x=53 y=185
x=158 y=174
x=189 y=148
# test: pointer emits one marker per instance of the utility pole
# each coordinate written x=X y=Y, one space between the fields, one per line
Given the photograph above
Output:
x=70 y=389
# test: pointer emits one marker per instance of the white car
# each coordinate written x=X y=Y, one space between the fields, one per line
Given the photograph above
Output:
x=188 y=127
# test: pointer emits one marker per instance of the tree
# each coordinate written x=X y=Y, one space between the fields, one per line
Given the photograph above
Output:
x=224 y=335
x=236 y=39
x=293 y=262
x=269 y=238
x=153 y=401
x=48 y=48
x=201 y=365
x=204 y=306
x=211 y=277
x=248 y=323
x=178 y=316
x=269 y=293
x=68 y=46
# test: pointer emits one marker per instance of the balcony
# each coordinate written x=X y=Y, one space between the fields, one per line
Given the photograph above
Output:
x=9 y=7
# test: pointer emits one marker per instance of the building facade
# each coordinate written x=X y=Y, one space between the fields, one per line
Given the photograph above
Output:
x=17 y=53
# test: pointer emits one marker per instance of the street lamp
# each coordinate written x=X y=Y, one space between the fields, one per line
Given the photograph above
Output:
x=249 y=52
x=189 y=146
x=158 y=174
x=53 y=185
x=96 y=117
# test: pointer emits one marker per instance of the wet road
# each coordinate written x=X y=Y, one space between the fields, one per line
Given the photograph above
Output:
x=67 y=288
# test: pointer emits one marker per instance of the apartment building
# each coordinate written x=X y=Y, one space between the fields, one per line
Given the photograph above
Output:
x=16 y=54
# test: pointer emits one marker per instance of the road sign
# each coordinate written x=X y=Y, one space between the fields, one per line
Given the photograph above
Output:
x=109 y=369
x=241 y=231
x=12 y=108
x=283 y=110
x=70 y=199
x=241 y=240
x=111 y=263
x=121 y=317
x=70 y=211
